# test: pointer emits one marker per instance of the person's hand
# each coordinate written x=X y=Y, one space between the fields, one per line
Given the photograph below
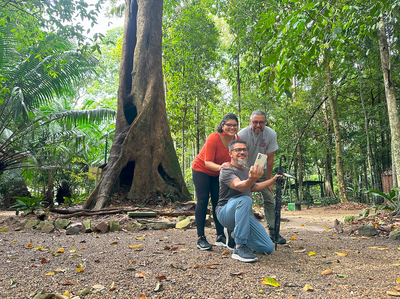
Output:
x=256 y=172
x=271 y=189
x=226 y=164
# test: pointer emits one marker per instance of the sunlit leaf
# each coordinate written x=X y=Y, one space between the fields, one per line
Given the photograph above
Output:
x=308 y=288
x=135 y=246
x=270 y=281
x=112 y=287
x=326 y=272
x=393 y=293
x=311 y=253
x=140 y=274
x=341 y=254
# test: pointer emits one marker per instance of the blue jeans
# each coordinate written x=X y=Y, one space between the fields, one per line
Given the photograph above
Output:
x=235 y=215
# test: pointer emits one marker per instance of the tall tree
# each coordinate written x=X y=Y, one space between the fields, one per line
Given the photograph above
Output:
x=142 y=157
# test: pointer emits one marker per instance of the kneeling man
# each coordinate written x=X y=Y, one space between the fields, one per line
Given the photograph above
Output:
x=235 y=204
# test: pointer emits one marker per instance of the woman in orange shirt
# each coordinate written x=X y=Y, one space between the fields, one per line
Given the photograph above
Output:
x=205 y=169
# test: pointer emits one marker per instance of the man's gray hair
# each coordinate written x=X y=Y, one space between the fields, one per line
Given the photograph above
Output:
x=258 y=112
x=233 y=142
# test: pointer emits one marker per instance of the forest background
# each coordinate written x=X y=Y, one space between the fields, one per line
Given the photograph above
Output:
x=326 y=74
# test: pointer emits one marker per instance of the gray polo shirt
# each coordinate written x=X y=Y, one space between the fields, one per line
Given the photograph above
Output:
x=264 y=143
x=226 y=176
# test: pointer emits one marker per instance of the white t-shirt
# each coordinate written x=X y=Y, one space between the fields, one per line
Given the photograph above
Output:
x=264 y=143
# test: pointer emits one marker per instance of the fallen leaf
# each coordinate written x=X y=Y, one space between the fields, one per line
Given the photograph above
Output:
x=67 y=283
x=341 y=254
x=158 y=286
x=334 y=235
x=161 y=277
x=311 y=253
x=300 y=251
x=29 y=245
x=308 y=288
x=393 y=293
x=210 y=266
x=326 y=272
x=140 y=238
x=196 y=266
x=73 y=250
x=270 y=281
x=293 y=237
x=386 y=248
x=60 y=250
x=140 y=274
x=142 y=297
x=4 y=230
x=44 y=261
x=112 y=287
x=342 y=275
x=133 y=262
x=226 y=252
x=397 y=289
x=74 y=256
x=98 y=287
x=135 y=246
x=398 y=280
x=79 y=270
x=50 y=273
x=238 y=273
x=66 y=293
x=114 y=243
x=97 y=261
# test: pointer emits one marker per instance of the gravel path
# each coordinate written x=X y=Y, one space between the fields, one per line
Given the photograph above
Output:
x=113 y=270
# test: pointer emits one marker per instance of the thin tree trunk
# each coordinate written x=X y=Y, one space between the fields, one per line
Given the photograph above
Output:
x=328 y=182
x=238 y=90
x=183 y=137
x=390 y=99
x=338 y=138
x=142 y=158
x=371 y=166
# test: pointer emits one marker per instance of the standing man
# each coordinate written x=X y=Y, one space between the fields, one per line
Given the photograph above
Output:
x=262 y=139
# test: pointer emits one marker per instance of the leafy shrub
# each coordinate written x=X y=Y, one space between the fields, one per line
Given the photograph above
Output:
x=348 y=219
x=75 y=199
x=27 y=204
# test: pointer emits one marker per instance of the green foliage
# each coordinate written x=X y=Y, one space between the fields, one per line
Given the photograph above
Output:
x=391 y=197
x=349 y=219
x=75 y=199
x=27 y=204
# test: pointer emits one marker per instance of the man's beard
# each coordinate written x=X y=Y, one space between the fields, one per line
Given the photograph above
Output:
x=241 y=163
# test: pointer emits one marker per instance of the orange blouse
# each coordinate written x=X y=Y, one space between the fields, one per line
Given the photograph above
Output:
x=212 y=151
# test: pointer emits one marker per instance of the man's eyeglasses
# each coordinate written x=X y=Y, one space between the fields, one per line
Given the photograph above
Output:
x=231 y=125
x=258 y=122
x=238 y=150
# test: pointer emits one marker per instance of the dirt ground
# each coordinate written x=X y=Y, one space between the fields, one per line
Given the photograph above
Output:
x=364 y=267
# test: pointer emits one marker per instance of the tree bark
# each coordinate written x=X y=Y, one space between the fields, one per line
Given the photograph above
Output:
x=390 y=99
x=328 y=182
x=142 y=157
x=338 y=138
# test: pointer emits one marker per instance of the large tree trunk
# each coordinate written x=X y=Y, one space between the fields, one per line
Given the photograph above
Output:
x=390 y=99
x=142 y=157
x=338 y=138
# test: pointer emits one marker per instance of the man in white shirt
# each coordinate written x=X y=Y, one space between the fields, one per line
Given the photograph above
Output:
x=262 y=139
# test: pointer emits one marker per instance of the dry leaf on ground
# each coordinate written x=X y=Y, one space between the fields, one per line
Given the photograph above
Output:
x=270 y=281
x=326 y=272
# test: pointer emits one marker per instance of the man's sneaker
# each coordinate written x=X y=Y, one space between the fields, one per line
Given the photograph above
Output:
x=230 y=241
x=243 y=254
x=202 y=244
x=281 y=240
x=220 y=241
